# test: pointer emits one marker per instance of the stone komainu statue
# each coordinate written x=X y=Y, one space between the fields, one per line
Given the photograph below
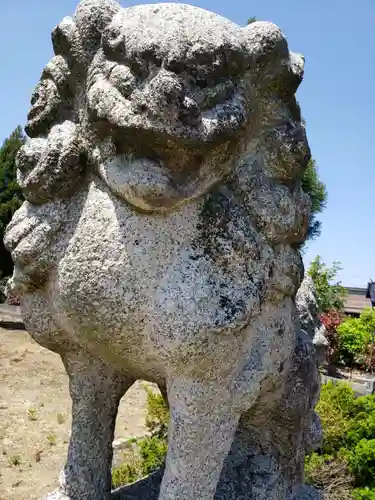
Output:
x=159 y=240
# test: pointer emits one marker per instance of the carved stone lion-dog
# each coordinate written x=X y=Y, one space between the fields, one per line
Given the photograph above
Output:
x=160 y=238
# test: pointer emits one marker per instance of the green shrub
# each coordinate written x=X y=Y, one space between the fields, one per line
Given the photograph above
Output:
x=355 y=336
x=364 y=494
x=153 y=451
x=362 y=425
x=354 y=339
x=335 y=408
x=362 y=462
x=157 y=412
x=313 y=464
x=347 y=457
x=148 y=453
x=125 y=474
x=330 y=475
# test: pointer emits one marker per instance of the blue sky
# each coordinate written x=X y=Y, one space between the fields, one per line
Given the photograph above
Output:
x=337 y=38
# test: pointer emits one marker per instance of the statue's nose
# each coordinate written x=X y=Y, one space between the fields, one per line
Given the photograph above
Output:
x=167 y=97
x=166 y=91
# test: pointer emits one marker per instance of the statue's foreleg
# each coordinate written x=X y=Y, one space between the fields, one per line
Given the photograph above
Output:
x=201 y=430
x=96 y=391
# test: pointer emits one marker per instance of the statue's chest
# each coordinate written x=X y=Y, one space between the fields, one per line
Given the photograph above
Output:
x=125 y=272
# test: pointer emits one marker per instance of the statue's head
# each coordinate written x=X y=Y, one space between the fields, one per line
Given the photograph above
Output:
x=161 y=101
x=164 y=101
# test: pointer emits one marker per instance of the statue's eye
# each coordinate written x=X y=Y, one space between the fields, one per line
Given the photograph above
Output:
x=208 y=96
x=40 y=91
x=110 y=34
x=123 y=79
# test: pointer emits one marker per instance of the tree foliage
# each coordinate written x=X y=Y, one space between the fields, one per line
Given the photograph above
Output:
x=316 y=189
x=330 y=293
x=10 y=193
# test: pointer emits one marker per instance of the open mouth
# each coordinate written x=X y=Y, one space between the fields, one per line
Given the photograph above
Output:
x=152 y=185
x=143 y=182
x=156 y=172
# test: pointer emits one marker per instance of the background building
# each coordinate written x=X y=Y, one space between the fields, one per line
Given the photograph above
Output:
x=356 y=301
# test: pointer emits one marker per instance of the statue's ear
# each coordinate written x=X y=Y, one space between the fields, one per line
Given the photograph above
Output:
x=273 y=62
x=92 y=17
x=64 y=37
x=296 y=69
x=77 y=39
x=265 y=42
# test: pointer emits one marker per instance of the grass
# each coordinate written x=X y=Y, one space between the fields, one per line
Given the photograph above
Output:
x=52 y=439
x=61 y=418
x=14 y=460
x=32 y=414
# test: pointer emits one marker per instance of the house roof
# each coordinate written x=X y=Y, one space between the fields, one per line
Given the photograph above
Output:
x=356 y=300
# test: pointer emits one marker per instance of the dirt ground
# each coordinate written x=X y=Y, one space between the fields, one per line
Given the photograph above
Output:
x=35 y=417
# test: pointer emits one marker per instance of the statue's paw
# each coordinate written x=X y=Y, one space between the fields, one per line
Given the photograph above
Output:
x=56 y=495
x=59 y=493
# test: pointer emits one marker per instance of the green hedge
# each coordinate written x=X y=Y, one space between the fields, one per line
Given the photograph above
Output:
x=347 y=457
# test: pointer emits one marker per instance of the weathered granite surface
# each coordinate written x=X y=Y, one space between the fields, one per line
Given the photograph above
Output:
x=160 y=240
x=309 y=316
